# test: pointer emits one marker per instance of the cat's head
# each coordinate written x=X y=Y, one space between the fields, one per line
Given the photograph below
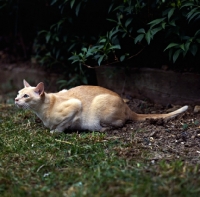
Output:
x=29 y=97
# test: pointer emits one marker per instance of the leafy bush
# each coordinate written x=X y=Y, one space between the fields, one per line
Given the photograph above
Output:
x=127 y=29
x=73 y=33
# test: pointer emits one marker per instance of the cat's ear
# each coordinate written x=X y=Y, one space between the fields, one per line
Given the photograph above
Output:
x=39 y=89
x=26 y=84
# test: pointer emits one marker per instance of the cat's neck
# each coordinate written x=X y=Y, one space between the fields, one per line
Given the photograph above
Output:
x=42 y=108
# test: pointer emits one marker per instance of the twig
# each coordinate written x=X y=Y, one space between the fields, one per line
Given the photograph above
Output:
x=117 y=61
x=64 y=141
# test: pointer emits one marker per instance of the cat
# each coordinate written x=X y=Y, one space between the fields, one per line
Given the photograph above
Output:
x=81 y=108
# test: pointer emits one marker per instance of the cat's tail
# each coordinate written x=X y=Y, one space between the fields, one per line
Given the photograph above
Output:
x=142 y=117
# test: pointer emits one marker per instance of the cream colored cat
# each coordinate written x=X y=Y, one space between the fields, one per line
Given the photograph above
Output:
x=81 y=108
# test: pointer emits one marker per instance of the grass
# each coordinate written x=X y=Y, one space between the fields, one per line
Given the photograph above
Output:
x=34 y=162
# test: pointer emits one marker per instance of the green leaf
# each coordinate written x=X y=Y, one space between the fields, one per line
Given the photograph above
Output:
x=102 y=40
x=74 y=57
x=53 y=2
x=197 y=33
x=155 y=30
x=171 y=45
x=193 y=49
x=100 y=60
x=48 y=36
x=84 y=80
x=111 y=20
x=156 y=22
x=72 y=3
x=57 y=54
x=141 y=31
x=124 y=34
x=43 y=31
x=139 y=38
x=187 y=45
x=172 y=23
x=187 y=4
x=198 y=40
x=195 y=14
x=191 y=12
x=128 y=21
x=163 y=25
x=110 y=8
x=112 y=32
x=122 y=58
x=57 y=38
x=72 y=46
x=65 y=38
x=148 y=36
x=176 y=54
x=84 y=50
x=170 y=13
x=78 y=8
x=115 y=47
x=182 y=46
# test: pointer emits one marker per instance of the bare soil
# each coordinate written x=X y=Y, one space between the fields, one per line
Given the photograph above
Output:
x=156 y=140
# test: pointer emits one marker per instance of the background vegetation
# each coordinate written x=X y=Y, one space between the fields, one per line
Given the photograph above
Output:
x=69 y=36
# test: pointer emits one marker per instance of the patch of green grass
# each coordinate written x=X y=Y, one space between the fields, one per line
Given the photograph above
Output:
x=34 y=162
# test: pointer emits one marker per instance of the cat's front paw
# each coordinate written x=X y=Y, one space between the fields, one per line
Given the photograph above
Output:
x=55 y=131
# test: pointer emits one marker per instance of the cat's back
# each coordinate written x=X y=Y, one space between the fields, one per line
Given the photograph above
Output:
x=88 y=92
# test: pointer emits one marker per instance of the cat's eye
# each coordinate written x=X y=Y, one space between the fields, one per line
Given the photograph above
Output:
x=26 y=96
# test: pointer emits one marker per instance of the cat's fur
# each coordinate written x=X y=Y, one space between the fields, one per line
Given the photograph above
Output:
x=81 y=108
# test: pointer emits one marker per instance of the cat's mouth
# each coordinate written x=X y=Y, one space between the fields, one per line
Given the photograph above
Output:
x=21 y=106
x=17 y=104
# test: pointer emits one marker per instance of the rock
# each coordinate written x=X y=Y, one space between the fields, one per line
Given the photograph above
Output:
x=197 y=109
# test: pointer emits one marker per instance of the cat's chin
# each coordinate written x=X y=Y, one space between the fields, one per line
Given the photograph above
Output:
x=19 y=106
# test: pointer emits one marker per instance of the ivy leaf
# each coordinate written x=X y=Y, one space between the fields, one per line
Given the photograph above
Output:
x=187 y=45
x=191 y=12
x=122 y=58
x=170 y=13
x=163 y=25
x=100 y=60
x=156 y=22
x=171 y=45
x=198 y=40
x=197 y=32
x=187 y=4
x=148 y=36
x=141 y=31
x=115 y=47
x=72 y=3
x=176 y=54
x=53 y=2
x=111 y=20
x=102 y=40
x=195 y=14
x=84 y=50
x=155 y=30
x=110 y=8
x=139 y=38
x=193 y=49
x=57 y=54
x=78 y=8
x=129 y=20
x=48 y=36
x=182 y=46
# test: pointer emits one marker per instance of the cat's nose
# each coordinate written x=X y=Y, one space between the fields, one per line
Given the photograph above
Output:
x=16 y=99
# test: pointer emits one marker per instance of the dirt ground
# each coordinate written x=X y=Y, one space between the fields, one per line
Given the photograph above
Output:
x=155 y=140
